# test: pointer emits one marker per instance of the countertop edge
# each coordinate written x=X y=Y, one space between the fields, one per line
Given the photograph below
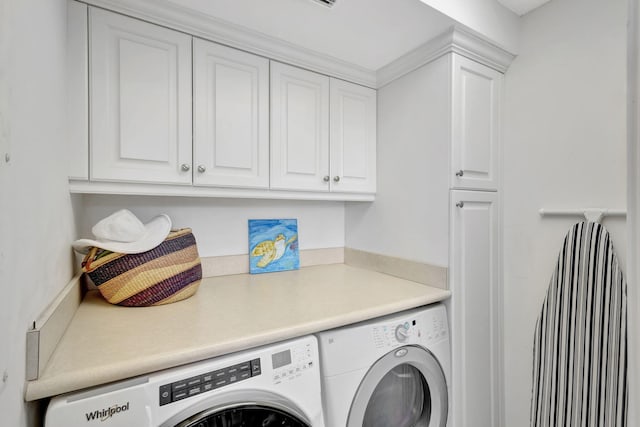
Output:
x=44 y=388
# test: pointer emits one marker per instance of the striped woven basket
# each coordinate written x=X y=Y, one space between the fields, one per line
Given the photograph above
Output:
x=168 y=273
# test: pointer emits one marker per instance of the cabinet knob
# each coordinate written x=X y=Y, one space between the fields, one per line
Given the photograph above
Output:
x=326 y=178
x=185 y=167
x=336 y=178
x=460 y=173
x=202 y=169
x=460 y=204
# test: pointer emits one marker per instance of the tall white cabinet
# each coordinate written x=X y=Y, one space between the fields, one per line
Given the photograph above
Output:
x=445 y=114
x=474 y=239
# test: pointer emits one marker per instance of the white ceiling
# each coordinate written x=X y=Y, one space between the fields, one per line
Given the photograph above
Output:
x=522 y=7
x=367 y=33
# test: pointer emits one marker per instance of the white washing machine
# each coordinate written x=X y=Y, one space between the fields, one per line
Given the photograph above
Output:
x=276 y=385
x=391 y=371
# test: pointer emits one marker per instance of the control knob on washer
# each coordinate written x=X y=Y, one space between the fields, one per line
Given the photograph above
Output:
x=402 y=333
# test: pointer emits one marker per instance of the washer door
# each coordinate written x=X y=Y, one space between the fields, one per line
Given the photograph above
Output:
x=404 y=388
x=244 y=415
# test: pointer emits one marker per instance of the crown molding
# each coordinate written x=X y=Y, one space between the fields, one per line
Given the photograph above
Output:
x=454 y=40
x=180 y=18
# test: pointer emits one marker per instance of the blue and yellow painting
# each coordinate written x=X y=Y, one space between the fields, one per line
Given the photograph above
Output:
x=273 y=245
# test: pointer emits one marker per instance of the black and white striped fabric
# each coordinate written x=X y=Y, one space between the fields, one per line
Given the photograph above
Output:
x=580 y=341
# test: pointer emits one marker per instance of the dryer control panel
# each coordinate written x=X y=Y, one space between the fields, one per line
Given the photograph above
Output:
x=409 y=331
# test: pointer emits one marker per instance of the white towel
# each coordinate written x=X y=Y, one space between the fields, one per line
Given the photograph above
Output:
x=580 y=341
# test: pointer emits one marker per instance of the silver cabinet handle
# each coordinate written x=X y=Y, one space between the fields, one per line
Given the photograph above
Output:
x=336 y=178
x=460 y=204
x=185 y=167
x=460 y=173
x=326 y=178
x=202 y=169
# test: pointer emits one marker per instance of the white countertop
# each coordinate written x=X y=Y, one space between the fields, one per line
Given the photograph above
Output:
x=105 y=343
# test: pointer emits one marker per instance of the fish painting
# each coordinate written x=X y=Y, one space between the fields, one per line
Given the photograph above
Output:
x=273 y=245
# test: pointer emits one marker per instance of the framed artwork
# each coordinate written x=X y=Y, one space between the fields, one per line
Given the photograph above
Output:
x=273 y=245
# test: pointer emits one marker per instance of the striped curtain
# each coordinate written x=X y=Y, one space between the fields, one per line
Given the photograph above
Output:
x=580 y=341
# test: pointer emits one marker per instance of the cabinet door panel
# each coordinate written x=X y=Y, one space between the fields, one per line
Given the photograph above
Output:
x=353 y=137
x=299 y=129
x=77 y=90
x=475 y=308
x=140 y=101
x=475 y=133
x=231 y=113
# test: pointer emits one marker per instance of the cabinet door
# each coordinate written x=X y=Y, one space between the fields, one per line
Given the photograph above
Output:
x=353 y=138
x=475 y=135
x=77 y=90
x=231 y=113
x=140 y=83
x=299 y=129
x=475 y=308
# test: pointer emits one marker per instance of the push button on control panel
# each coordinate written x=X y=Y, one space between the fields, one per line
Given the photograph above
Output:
x=193 y=386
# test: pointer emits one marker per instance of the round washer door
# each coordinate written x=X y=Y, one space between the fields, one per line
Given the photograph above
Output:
x=244 y=415
x=404 y=388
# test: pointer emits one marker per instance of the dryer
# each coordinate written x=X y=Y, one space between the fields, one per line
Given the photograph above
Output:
x=275 y=385
x=391 y=371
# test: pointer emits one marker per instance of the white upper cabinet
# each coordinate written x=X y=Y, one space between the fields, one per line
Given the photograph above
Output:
x=475 y=135
x=140 y=98
x=353 y=137
x=323 y=133
x=299 y=129
x=155 y=111
x=231 y=117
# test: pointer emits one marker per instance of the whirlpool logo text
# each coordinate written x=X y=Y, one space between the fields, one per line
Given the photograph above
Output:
x=105 y=414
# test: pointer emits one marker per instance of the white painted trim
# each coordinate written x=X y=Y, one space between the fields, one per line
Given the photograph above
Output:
x=125 y=188
x=180 y=18
x=456 y=40
x=633 y=210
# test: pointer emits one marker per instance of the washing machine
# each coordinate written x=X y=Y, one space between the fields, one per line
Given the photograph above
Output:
x=392 y=371
x=275 y=385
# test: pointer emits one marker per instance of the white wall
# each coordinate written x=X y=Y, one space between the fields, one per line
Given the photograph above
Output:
x=410 y=215
x=486 y=17
x=564 y=147
x=36 y=223
x=220 y=225
x=633 y=204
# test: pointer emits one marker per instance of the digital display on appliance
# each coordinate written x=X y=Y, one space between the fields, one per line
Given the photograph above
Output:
x=281 y=359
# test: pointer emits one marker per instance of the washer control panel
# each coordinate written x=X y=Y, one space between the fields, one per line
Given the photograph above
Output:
x=292 y=363
x=193 y=386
